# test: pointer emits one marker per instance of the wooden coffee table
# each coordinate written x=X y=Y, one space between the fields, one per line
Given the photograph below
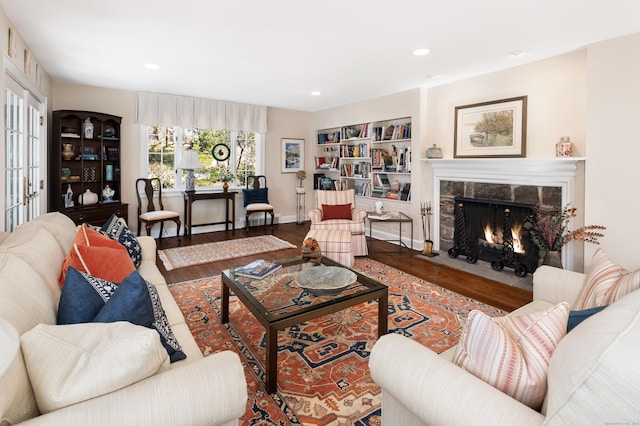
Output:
x=277 y=302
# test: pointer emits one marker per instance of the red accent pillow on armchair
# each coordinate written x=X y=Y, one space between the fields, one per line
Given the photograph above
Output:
x=97 y=255
x=336 y=211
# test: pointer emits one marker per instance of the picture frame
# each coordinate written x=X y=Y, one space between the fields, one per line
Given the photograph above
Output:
x=491 y=129
x=12 y=48
x=292 y=155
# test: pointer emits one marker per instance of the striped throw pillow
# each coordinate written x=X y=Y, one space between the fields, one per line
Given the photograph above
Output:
x=512 y=353
x=606 y=282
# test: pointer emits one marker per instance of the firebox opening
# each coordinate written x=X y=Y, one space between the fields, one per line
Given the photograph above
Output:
x=493 y=231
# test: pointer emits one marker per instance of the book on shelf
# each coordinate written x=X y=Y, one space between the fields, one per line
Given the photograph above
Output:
x=258 y=269
x=326 y=183
x=382 y=180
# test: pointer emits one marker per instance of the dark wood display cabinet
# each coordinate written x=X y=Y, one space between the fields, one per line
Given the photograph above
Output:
x=85 y=166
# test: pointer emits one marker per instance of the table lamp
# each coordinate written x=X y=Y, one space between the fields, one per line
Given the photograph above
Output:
x=189 y=162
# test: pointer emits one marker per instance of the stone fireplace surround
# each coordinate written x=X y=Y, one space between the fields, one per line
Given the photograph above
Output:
x=549 y=181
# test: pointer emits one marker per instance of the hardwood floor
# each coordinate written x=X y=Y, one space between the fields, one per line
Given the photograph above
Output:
x=484 y=290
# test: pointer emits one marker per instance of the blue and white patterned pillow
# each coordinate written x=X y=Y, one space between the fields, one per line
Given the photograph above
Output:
x=116 y=229
x=88 y=299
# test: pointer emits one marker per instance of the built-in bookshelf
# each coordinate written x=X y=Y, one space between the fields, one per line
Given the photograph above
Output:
x=373 y=158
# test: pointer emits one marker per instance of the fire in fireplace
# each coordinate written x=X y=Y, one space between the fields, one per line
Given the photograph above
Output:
x=493 y=231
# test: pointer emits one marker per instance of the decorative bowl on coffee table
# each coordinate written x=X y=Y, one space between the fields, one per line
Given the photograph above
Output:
x=323 y=280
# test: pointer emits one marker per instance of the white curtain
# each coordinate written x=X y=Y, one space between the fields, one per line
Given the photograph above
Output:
x=186 y=112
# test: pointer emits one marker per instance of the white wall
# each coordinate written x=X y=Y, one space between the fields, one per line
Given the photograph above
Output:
x=282 y=124
x=282 y=186
x=598 y=86
x=556 y=102
x=613 y=147
x=556 y=106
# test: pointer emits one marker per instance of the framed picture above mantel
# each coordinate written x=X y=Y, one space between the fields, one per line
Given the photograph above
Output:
x=491 y=129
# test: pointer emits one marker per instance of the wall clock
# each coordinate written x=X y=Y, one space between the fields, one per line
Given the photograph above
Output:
x=220 y=152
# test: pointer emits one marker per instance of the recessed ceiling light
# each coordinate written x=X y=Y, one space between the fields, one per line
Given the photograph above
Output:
x=316 y=93
x=421 y=52
x=516 y=53
x=153 y=67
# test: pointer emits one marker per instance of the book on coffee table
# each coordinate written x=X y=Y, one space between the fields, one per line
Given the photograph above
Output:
x=258 y=269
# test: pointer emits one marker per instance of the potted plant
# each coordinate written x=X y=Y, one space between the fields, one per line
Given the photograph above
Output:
x=225 y=176
x=550 y=232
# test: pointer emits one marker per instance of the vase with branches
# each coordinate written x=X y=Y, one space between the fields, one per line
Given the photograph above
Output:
x=225 y=176
x=550 y=231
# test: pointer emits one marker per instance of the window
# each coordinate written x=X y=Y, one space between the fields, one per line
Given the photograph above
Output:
x=165 y=146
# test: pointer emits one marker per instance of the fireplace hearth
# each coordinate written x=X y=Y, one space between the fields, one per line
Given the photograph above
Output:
x=493 y=231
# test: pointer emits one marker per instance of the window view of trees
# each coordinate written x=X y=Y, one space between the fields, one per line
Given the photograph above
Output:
x=161 y=146
x=163 y=155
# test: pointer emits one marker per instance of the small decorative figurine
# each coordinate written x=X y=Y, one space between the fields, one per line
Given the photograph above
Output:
x=107 y=194
x=88 y=129
x=311 y=251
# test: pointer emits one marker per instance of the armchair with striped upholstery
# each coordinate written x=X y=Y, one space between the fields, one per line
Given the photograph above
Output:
x=354 y=224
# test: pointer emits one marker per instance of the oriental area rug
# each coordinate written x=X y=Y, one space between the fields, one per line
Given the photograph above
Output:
x=323 y=374
x=181 y=257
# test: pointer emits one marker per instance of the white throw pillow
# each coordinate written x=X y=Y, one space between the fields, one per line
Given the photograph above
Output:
x=68 y=364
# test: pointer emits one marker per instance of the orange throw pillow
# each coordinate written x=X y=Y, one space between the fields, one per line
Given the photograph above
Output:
x=336 y=211
x=97 y=255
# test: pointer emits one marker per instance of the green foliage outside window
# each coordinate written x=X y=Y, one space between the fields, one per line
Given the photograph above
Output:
x=162 y=155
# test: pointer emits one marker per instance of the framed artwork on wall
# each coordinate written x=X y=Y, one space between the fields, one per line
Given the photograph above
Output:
x=491 y=129
x=292 y=155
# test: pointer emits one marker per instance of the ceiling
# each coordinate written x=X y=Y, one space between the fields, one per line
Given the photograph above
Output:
x=277 y=52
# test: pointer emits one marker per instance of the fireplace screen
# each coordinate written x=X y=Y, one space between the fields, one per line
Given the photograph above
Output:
x=493 y=231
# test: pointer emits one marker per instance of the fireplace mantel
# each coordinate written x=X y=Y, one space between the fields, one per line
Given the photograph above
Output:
x=555 y=172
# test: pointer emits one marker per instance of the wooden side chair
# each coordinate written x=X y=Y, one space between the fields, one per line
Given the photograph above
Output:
x=256 y=199
x=151 y=210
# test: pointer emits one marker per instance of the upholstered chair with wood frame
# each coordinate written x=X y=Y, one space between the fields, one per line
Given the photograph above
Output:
x=151 y=209
x=337 y=210
x=256 y=199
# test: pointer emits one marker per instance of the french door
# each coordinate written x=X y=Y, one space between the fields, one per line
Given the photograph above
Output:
x=24 y=156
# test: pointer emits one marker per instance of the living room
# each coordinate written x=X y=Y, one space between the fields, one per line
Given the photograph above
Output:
x=567 y=95
x=589 y=94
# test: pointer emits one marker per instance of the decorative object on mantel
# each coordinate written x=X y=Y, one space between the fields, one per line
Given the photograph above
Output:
x=564 y=147
x=425 y=212
x=491 y=129
x=434 y=152
x=549 y=232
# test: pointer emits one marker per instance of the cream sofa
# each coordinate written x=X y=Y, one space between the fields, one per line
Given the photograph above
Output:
x=198 y=390
x=593 y=376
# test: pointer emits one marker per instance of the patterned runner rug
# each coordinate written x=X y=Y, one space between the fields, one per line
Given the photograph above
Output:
x=323 y=374
x=181 y=257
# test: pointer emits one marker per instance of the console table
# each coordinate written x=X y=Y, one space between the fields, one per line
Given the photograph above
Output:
x=191 y=197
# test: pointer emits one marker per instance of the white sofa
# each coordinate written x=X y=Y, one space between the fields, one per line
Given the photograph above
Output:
x=198 y=390
x=593 y=377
